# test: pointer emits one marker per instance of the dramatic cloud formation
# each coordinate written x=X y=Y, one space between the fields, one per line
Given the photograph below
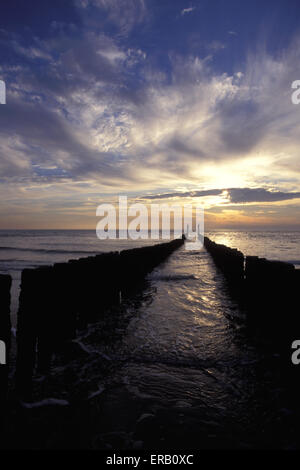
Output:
x=126 y=96
x=234 y=195
x=240 y=195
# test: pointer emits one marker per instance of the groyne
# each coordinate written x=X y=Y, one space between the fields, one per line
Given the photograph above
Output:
x=57 y=301
x=230 y=261
x=265 y=290
x=5 y=327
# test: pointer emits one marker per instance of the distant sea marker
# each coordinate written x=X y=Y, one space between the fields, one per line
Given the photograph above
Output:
x=2 y=92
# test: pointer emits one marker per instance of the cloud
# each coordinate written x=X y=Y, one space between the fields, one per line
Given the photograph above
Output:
x=246 y=195
x=233 y=195
x=187 y=10
x=48 y=138
x=209 y=192
x=215 y=46
x=82 y=111
x=124 y=14
x=93 y=108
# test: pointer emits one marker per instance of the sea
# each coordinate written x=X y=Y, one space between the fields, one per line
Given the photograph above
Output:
x=181 y=371
x=20 y=249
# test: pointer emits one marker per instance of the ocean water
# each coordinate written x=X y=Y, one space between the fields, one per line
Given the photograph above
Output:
x=20 y=249
x=179 y=369
x=282 y=246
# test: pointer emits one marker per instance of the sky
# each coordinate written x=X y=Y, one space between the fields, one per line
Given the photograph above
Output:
x=172 y=101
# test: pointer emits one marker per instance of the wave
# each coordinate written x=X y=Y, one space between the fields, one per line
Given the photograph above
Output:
x=291 y=261
x=45 y=402
x=171 y=277
x=294 y=261
x=44 y=250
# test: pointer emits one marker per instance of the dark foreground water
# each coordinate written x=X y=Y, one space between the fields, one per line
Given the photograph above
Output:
x=174 y=368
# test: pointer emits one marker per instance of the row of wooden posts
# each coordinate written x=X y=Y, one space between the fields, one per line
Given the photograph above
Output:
x=267 y=291
x=56 y=301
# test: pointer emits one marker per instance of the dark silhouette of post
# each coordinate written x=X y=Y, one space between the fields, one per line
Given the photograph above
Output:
x=5 y=341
